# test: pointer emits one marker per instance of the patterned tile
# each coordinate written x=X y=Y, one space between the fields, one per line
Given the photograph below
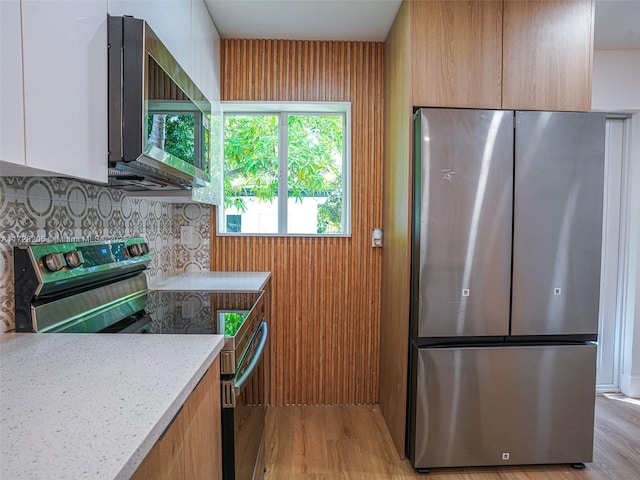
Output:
x=49 y=209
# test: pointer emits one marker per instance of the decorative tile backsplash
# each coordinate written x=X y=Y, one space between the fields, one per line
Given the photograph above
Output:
x=46 y=209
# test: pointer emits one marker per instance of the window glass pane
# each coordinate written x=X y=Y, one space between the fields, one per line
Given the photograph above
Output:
x=251 y=172
x=234 y=223
x=173 y=133
x=315 y=174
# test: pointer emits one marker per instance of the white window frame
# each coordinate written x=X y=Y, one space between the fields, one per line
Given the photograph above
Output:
x=283 y=110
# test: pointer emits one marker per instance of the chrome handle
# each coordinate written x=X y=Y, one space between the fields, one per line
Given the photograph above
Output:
x=231 y=389
x=257 y=356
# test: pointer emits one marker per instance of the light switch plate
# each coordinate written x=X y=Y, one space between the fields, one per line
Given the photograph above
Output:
x=186 y=235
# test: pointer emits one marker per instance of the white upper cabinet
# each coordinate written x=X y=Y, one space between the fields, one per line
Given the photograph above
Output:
x=54 y=88
x=65 y=86
x=170 y=20
x=54 y=115
x=11 y=112
x=186 y=29
x=206 y=52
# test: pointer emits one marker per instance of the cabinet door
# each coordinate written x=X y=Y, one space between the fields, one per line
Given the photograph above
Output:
x=65 y=86
x=457 y=53
x=11 y=113
x=165 y=461
x=191 y=447
x=206 y=52
x=170 y=20
x=548 y=55
x=203 y=441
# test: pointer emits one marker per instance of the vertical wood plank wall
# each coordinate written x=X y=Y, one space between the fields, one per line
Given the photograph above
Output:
x=325 y=291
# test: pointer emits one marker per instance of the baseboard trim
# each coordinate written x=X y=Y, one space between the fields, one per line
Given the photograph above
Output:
x=630 y=385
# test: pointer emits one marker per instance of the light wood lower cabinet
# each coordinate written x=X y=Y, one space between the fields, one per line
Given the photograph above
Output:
x=191 y=447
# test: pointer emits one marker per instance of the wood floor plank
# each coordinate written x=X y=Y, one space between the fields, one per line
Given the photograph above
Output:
x=353 y=443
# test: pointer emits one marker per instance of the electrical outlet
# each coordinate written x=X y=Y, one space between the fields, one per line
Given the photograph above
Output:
x=187 y=309
x=505 y=456
x=186 y=235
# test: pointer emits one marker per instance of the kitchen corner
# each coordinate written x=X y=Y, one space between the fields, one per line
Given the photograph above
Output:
x=106 y=406
x=95 y=406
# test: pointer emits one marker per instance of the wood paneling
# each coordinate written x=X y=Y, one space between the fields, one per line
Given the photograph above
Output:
x=394 y=316
x=161 y=87
x=548 y=55
x=457 y=53
x=325 y=290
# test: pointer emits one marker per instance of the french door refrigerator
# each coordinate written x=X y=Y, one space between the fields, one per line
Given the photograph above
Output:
x=505 y=287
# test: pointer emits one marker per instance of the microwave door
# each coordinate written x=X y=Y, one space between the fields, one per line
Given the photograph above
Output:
x=163 y=148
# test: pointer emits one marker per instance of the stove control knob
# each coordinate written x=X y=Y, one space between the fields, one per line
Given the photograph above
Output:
x=74 y=258
x=134 y=250
x=144 y=248
x=53 y=261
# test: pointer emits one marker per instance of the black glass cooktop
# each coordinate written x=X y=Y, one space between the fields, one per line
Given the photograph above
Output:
x=199 y=312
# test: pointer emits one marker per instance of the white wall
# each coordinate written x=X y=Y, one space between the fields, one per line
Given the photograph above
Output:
x=616 y=88
x=616 y=81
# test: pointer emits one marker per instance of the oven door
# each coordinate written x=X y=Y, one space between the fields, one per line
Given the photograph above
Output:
x=243 y=414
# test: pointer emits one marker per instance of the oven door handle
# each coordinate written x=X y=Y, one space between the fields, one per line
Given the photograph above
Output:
x=231 y=389
x=255 y=360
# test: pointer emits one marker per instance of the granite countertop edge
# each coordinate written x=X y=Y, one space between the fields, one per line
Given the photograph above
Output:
x=213 y=281
x=92 y=406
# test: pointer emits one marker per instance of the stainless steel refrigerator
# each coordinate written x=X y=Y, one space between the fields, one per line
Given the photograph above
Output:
x=505 y=287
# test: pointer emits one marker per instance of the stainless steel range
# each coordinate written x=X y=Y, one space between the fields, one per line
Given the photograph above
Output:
x=81 y=287
x=101 y=287
x=240 y=317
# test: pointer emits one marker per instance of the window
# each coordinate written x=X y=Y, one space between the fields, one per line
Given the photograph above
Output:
x=286 y=169
x=234 y=223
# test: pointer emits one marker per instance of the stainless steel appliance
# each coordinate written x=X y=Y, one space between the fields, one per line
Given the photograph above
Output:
x=150 y=97
x=101 y=287
x=505 y=287
x=81 y=287
x=241 y=318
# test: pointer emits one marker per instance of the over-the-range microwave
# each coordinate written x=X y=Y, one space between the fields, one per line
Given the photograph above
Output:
x=158 y=118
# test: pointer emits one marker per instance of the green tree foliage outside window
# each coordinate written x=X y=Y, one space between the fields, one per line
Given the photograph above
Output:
x=314 y=162
x=250 y=158
x=173 y=133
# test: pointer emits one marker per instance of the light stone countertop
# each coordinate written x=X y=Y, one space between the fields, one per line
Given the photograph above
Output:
x=214 y=281
x=87 y=406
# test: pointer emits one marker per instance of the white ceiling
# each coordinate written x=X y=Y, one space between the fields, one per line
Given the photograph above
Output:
x=358 y=20
x=617 y=21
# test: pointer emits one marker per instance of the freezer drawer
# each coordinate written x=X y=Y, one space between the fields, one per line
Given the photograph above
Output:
x=502 y=405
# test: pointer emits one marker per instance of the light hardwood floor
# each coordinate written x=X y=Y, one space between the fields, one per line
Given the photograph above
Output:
x=352 y=442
